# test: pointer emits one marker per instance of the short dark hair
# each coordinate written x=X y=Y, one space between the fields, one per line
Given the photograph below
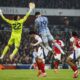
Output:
x=37 y=13
x=15 y=17
x=74 y=33
x=32 y=32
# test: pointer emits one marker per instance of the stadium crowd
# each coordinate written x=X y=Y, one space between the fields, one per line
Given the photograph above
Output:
x=24 y=55
x=56 y=45
x=64 y=28
x=68 y=4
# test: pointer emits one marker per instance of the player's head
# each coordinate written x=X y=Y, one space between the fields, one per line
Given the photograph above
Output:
x=16 y=17
x=32 y=33
x=74 y=34
x=37 y=14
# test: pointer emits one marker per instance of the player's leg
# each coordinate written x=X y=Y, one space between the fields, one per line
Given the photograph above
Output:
x=47 y=48
x=72 y=64
x=46 y=51
x=73 y=67
x=46 y=44
x=7 y=48
x=41 y=68
x=41 y=63
x=45 y=41
x=57 y=58
x=51 y=39
x=17 y=44
x=34 y=65
x=14 y=53
x=54 y=43
x=4 y=51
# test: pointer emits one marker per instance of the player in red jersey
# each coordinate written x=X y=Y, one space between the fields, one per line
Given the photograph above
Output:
x=57 y=53
x=39 y=57
x=75 y=42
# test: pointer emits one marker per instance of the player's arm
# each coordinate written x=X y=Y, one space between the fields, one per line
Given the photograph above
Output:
x=72 y=43
x=35 y=44
x=39 y=41
x=4 y=18
x=31 y=7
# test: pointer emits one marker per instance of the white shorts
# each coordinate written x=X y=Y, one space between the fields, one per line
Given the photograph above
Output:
x=57 y=56
x=75 y=54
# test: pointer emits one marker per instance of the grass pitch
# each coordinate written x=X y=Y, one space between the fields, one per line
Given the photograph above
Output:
x=31 y=75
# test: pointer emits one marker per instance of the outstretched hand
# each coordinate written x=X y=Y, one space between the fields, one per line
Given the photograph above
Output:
x=31 y=5
x=0 y=12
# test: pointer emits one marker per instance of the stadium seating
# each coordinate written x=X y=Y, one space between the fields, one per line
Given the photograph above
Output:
x=66 y=4
x=57 y=25
x=24 y=55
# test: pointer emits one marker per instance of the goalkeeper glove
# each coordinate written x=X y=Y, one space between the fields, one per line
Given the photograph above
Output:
x=0 y=12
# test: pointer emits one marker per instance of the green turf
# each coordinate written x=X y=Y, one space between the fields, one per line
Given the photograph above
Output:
x=31 y=75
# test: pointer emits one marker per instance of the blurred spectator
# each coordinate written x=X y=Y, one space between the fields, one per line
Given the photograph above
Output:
x=66 y=4
x=24 y=55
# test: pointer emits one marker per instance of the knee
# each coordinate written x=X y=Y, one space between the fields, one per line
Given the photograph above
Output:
x=39 y=60
x=9 y=45
x=17 y=47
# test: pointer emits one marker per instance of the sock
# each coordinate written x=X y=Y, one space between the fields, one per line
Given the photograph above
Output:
x=41 y=66
x=59 y=48
x=15 y=51
x=5 y=51
x=74 y=68
x=56 y=63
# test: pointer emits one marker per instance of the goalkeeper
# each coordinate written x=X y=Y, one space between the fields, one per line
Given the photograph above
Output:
x=16 y=25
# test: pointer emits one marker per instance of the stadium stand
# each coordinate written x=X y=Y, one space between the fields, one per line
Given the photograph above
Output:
x=63 y=4
x=25 y=54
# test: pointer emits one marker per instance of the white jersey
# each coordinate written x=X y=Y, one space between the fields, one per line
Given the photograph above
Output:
x=38 y=38
x=39 y=52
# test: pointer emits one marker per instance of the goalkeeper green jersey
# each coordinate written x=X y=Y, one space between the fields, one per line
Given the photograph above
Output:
x=16 y=25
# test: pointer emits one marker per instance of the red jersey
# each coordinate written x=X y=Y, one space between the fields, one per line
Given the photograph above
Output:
x=75 y=41
x=56 y=50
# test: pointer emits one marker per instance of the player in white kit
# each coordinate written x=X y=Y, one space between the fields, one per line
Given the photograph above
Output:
x=75 y=42
x=39 y=57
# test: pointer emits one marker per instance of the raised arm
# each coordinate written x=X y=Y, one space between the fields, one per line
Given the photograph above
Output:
x=4 y=18
x=31 y=7
x=38 y=39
